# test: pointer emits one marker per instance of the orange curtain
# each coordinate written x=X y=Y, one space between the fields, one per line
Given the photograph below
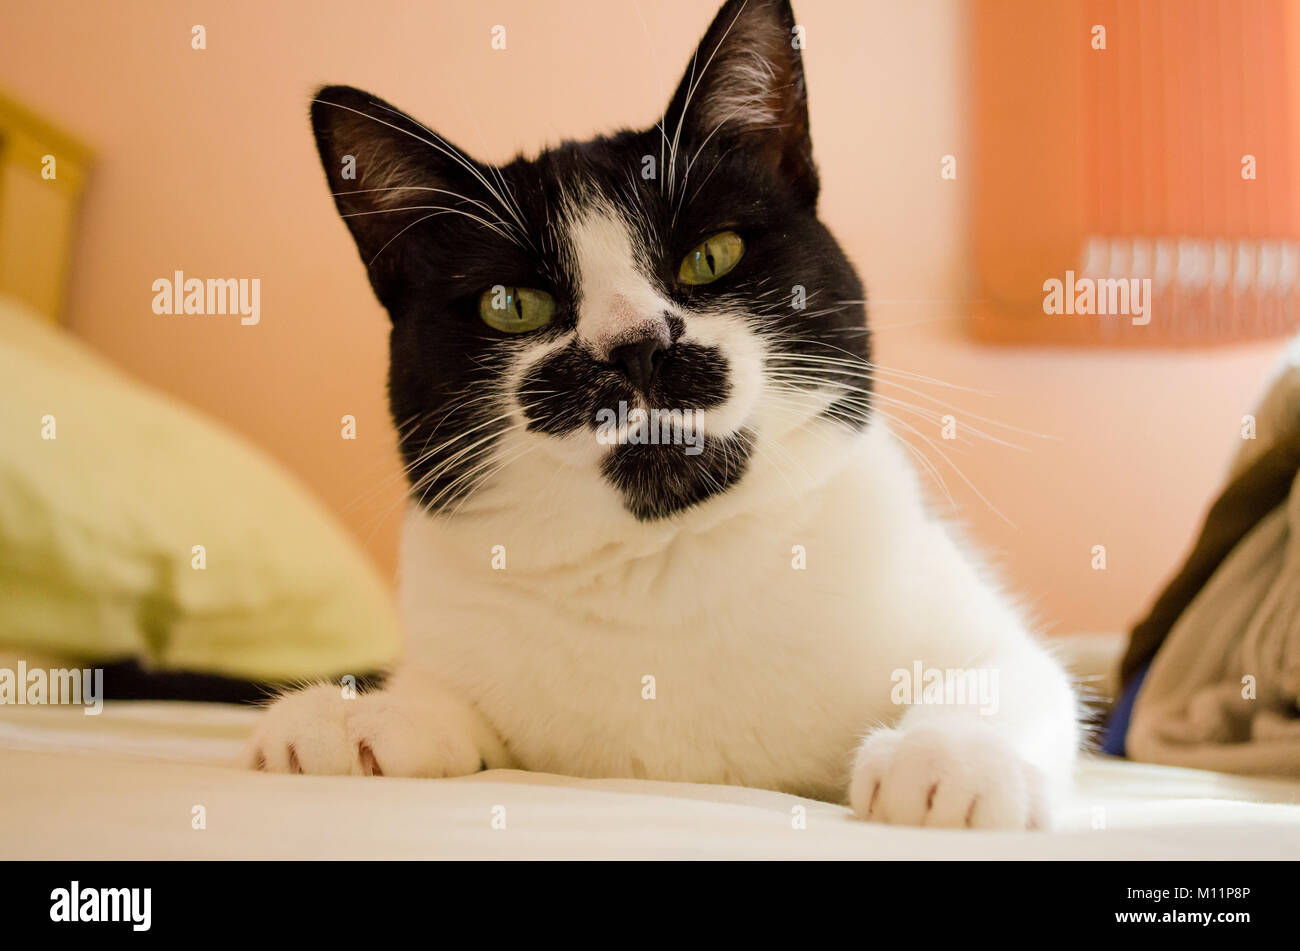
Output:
x=1138 y=140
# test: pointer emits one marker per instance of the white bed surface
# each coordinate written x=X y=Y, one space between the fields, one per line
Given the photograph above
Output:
x=124 y=784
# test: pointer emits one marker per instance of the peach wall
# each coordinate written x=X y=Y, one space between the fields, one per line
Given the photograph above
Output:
x=206 y=165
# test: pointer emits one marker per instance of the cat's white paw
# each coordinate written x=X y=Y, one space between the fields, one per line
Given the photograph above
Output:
x=320 y=731
x=952 y=775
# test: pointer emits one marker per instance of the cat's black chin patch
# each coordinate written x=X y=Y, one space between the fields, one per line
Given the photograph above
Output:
x=657 y=481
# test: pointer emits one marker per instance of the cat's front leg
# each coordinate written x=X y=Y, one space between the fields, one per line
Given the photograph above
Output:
x=977 y=765
x=414 y=727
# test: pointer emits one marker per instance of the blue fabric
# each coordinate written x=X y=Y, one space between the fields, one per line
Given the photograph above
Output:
x=1113 y=742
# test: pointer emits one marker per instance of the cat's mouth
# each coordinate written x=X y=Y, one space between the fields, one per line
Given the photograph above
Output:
x=664 y=448
x=568 y=391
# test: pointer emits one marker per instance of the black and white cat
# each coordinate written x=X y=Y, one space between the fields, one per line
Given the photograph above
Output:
x=731 y=608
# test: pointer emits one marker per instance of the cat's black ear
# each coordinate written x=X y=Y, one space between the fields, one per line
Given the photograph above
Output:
x=745 y=85
x=389 y=174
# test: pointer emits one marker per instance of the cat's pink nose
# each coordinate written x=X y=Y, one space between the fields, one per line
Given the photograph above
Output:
x=615 y=322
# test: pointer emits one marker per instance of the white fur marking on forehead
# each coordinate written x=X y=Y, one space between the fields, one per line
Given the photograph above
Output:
x=616 y=300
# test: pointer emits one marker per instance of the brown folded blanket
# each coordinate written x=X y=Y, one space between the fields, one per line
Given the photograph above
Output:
x=1241 y=506
x=1224 y=635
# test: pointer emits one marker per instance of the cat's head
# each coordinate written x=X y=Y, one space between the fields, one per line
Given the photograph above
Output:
x=557 y=303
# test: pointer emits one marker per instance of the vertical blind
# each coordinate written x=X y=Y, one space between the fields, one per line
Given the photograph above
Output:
x=1147 y=141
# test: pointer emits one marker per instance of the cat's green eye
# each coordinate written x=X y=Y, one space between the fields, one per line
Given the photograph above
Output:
x=711 y=258
x=515 y=310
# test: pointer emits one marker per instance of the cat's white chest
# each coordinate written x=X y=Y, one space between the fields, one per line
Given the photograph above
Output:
x=761 y=693
x=755 y=655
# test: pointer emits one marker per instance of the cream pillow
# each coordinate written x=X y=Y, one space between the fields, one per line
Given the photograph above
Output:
x=99 y=526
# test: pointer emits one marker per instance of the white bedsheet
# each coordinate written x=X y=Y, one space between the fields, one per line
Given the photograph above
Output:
x=124 y=785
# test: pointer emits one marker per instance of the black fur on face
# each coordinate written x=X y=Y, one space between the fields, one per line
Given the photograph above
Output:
x=436 y=229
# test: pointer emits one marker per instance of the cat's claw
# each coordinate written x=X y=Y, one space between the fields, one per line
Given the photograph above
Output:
x=950 y=775
x=319 y=731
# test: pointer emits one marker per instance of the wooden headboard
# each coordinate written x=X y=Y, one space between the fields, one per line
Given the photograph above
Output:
x=42 y=173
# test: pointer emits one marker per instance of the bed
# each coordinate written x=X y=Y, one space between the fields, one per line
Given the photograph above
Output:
x=95 y=574
x=129 y=784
